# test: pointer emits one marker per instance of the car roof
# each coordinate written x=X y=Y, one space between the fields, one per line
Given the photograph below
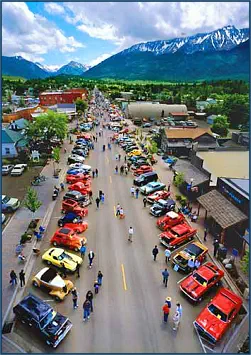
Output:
x=64 y=230
x=55 y=251
x=35 y=306
x=180 y=228
x=226 y=300
x=73 y=192
x=172 y=214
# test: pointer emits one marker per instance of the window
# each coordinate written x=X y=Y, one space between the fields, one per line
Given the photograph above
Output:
x=7 y=150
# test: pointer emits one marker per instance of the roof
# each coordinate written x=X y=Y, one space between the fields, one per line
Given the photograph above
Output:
x=190 y=133
x=10 y=136
x=179 y=113
x=221 y=209
x=21 y=123
x=66 y=106
x=190 y=172
x=240 y=185
x=52 y=92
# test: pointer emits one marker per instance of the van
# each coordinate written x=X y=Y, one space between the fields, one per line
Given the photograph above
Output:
x=145 y=178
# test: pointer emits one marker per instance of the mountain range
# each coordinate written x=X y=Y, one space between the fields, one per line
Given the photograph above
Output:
x=220 y=54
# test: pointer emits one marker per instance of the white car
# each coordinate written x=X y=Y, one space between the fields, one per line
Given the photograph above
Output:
x=75 y=158
x=9 y=204
x=18 y=169
x=6 y=169
x=80 y=166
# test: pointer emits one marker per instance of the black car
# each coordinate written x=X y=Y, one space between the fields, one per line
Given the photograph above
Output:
x=132 y=147
x=41 y=318
x=76 y=196
x=70 y=217
x=81 y=152
x=161 y=207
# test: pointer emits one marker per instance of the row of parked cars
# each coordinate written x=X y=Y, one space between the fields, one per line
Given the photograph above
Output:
x=37 y=314
x=14 y=170
x=218 y=315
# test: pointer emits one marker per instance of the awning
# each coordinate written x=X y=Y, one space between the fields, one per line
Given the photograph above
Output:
x=221 y=209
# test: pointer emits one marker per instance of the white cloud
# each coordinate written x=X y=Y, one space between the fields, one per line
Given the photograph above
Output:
x=133 y=22
x=32 y=34
x=100 y=59
x=54 y=8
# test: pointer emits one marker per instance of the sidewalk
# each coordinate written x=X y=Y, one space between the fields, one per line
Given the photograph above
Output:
x=17 y=226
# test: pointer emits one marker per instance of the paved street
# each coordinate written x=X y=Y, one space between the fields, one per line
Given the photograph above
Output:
x=127 y=312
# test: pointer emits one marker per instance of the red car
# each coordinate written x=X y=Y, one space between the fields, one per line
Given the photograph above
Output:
x=171 y=219
x=218 y=315
x=73 y=206
x=143 y=169
x=77 y=227
x=201 y=281
x=82 y=187
x=177 y=235
x=158 y=195
x=67 y=237
x=72 y=179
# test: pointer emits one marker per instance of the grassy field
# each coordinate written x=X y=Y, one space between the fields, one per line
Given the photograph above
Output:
x=13 y=78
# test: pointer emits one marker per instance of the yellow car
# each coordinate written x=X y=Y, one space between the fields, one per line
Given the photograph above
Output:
x=49 y=278
x=135 y=152
x=58 y=257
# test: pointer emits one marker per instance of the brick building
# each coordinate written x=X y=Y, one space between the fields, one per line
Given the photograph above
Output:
x=62 y=97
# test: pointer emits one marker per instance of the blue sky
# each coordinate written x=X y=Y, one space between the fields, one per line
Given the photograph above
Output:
x=55 y=33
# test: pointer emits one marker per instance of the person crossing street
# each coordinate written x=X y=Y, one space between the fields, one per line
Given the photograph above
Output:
x=155 y=252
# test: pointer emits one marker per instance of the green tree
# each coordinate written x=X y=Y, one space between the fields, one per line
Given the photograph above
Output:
x=81 y=105
x=31 y=201
x=7 y=110
x=153 y=147
x=220 y=126
x=245 y=262
x=236 y=107
x=48 y=126
x=55 y=157
x=21 y=102
x=179 y=179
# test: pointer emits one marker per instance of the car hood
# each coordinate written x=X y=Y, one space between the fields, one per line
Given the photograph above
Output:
x=211 y=324
x=55 y=325
x=58 y=282
x=12 y=201
x=156 y=208
x=193 y=286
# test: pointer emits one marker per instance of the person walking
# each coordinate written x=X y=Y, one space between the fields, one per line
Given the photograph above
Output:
x=179 y=308
x=82 y=250
x=205 y=234
x=190 y=264
x=103 y=198
x=132 y=191
x=91 y=196
x=116 y=169
x=176 y=320
x=13 y=278
x=125 y=159
x=63 y=270
x=137 y=193
x=96 y=172
x=93 y=174
x=144 y=201
x=216 y=245
x=166 y=311
x=126 y=170
x=121 y=170
x=167 y=255
x=100 y=194
x=77 y=270
x=119 y=157
x=169 y=187
x=22 y=278
x=91 y=257
x=196 y=264
x=155 y=252
x=118 y=210
x=74 y=297
x=165 y=275
x=97 y=202
x=86 y=308
x=96 y=287
x=89 y=297
x=130 y=234
x=100 y=278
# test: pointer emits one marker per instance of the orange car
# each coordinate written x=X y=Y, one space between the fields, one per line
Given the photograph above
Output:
x=67 y=237
x=69 y=205
x=143 y=169
x=83 y=187
x=71 y=179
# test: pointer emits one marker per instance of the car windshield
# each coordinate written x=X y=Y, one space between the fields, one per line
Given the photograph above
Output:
x=46 y=320
x=200 y=279
x=64 y=256
x=6 y=199
x=217 y=312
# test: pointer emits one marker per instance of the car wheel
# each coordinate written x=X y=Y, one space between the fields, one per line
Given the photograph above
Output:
x=76 y=249
x=48 y=262
x=55 y=244
x=34 y=283
x=57 y=298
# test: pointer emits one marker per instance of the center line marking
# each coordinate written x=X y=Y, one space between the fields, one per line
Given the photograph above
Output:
x=110 y=179
x=123 y=276
x=114 y=209
x=107 y=160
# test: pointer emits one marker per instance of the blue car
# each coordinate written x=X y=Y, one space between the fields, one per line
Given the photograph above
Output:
x=74 y=171
x=69 y=218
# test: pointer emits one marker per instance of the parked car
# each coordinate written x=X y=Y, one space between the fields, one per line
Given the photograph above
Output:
x=144 y=179
x=171 y=219
x=81 y=177
x=58 y=257
x=196 y=285
x=42 y=319
x=6 y=169
x=146 y=125
x=9 y=204
x=83 y=187
x=51 y=281
x=177 y=235
x=67 y=237
x=152 y=187
x=131 y=148
x=135 y=152
x=158 y=195
x=214 y=320
x=195 y=249
x=81 y=166
x=75 y=171
x=142 y=170
x=70 y=205
x=161 y=207
x=18 y=169
x=74 y=222
x=73 y=158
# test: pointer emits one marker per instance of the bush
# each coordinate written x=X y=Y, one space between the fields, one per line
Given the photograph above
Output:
x=25 y=237
x=6 y=162
x=178 y=197
x=33 y=224
x=183 y=201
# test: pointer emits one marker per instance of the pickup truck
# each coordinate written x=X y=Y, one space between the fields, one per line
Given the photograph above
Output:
x=41 y=318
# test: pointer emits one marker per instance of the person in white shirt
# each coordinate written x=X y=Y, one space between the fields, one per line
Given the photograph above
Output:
x=130 y=234
x=167 y=254
x=190 y=264
x=196 y=264
x=132 y=191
